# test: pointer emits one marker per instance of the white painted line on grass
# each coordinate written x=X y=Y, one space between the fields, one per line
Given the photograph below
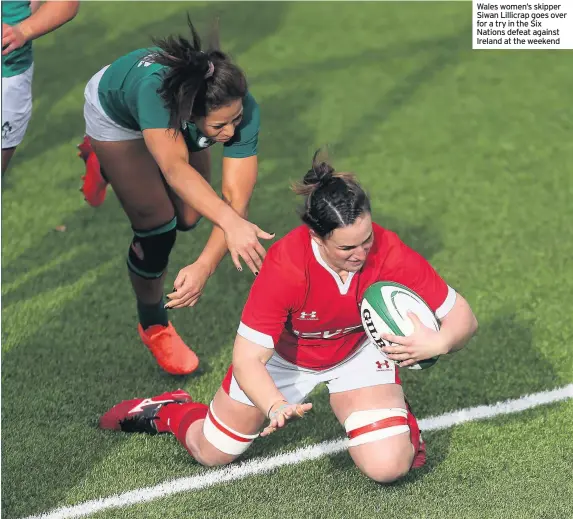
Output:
x=252 y=467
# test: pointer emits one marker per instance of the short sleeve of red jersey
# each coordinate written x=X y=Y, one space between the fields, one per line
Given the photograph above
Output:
x=405 y=266
x=272 y=297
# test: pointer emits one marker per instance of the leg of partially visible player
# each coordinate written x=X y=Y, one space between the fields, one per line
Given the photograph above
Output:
x=6 y=157
x=16 y=112
x=384 y=439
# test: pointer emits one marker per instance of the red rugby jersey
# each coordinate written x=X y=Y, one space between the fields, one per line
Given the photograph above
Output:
x=300 y=306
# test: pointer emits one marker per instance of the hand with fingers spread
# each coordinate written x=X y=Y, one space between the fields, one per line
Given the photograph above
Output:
x=281 y=412
x=242 y=239
x=12 y=38
x=423 y=343
x=188 y=286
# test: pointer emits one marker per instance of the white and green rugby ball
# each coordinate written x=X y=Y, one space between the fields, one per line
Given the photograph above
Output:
x=384 y=309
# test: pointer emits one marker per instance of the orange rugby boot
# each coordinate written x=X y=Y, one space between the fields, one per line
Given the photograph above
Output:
x=94 y=187
x=171 y=353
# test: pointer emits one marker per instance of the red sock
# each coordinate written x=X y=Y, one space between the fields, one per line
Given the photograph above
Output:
x=414 y=430
x=416 y=440
x=176 y=418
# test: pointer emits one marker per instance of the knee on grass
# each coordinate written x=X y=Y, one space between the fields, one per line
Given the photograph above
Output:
x=387 y=469
x=209 y=456
x=385 y=461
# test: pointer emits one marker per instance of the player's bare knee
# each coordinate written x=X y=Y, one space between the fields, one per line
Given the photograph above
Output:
x=214 y=463
x=147 y=215
x=386 y=461
x=211 y=457
x=388 y=464
x=202 y=450
x=390 y=473
x=188 y=222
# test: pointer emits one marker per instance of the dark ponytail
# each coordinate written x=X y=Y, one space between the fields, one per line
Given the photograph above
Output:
x=333 y=199
x=196 y=81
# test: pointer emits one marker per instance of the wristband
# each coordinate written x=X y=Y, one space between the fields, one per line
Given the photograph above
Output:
x=274 y=403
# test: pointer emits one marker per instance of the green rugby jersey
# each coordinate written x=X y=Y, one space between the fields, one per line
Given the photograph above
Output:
x=128 y=94
x=19 y=60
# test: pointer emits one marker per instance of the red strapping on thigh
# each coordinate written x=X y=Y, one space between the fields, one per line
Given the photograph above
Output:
x=226 y=431
x=380 y=424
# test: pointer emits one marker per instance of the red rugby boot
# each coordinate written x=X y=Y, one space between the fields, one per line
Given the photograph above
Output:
x=94 y=186
x=142 y=414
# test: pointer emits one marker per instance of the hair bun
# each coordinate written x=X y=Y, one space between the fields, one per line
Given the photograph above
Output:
x=320 y=173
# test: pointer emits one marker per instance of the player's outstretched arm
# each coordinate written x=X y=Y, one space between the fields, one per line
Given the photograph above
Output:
x=239 y=179
x=241 y=236
x=46 y=17
x=249 y=361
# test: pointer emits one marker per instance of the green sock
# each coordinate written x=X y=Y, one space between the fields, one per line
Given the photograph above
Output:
x=152 y=314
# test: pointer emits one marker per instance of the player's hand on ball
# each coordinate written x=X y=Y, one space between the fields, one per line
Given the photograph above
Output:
x=282 y=412
x=424 y=343
x=188 y=286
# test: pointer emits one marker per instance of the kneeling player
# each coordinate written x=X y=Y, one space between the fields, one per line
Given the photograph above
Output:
x=301 y=326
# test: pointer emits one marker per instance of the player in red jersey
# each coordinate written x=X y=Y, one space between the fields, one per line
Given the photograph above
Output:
x=301 y=326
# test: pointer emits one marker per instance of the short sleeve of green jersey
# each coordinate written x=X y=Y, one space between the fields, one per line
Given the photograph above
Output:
x=148 y=106
x=245 y=141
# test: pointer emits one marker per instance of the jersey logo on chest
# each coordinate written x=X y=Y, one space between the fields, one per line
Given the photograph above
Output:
x=204 y=142
x=146 y=61
x=308 y=316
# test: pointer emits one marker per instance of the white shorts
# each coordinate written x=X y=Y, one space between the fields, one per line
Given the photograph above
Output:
x=98 y=124
x=366 y=368
x=16 y=107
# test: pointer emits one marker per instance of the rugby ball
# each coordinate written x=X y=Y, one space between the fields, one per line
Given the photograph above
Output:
x=384 y=309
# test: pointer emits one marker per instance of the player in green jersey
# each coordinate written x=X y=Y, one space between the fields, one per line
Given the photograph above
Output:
x=151 y=117
x=23 y=22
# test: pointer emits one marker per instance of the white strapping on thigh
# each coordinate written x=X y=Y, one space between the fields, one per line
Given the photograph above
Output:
x=375 y=424
x=224 y=438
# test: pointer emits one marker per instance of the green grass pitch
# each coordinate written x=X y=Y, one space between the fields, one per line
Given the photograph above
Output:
x=466 y=154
